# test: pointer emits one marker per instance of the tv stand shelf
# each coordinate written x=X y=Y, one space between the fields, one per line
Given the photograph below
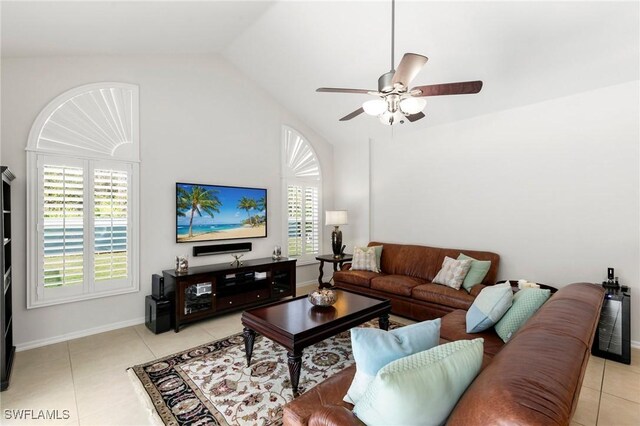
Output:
x=210 y=290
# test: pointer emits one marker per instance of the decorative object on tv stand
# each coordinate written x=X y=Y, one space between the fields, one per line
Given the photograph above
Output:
x=236 y=261
x=277 y=253
x=182 y=264
x=336 y=218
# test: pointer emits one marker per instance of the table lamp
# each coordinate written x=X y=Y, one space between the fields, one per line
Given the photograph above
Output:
x=336 y=218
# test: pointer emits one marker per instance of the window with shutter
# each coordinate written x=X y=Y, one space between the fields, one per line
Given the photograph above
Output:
x=82 y=196
x=302 y=183
x=63 y=226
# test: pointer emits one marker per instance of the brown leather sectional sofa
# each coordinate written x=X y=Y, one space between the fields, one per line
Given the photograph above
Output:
x=407 y=272
x=535 y=379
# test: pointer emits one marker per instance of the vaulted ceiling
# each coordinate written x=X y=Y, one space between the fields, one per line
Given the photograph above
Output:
x=525 y=52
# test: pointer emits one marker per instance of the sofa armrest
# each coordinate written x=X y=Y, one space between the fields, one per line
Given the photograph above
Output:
x=334 y=415
x=345 y=266
x=476 y=289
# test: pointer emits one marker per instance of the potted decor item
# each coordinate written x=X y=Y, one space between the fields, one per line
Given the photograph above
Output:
x=322 y=298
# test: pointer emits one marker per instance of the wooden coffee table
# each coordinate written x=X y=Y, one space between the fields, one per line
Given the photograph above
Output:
x=296 y=324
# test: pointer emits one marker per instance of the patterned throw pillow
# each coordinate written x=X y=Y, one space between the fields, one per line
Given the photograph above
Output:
x=364 y=259
x=422 y=388
x=525 y=303
x=453 y=272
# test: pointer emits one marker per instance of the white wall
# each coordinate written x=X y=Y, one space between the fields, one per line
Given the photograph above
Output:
x=552 y=187
x=200 y=121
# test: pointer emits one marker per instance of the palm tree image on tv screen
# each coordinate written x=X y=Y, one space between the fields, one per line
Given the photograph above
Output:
x=212 y=212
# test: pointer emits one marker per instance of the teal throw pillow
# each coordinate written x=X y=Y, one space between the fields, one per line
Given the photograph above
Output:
x=421 y=389
x=525 y=303
x=477 y=272
x=374 y=348
x=490 y=305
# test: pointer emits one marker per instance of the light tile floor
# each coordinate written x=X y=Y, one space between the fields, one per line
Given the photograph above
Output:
x=88 y=377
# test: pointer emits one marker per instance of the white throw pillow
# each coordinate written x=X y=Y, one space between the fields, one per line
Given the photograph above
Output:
x=364 y=259
x=453 y=272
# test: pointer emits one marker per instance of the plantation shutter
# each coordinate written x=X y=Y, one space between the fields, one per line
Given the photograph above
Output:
x=301 y=171
x=311 y=220
x=294 y=224
x=62 y=236
x=110 y=194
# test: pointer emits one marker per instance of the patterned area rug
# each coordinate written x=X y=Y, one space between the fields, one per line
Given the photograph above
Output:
x=212 y=385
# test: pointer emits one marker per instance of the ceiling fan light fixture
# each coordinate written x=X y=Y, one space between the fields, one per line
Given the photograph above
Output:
x=390 y=118
x=374 y=107
x=412 y=105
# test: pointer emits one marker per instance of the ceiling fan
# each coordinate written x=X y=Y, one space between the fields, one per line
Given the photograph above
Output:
x=395 y=100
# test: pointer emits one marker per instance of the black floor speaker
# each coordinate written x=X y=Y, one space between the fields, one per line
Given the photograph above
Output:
x=158 y=315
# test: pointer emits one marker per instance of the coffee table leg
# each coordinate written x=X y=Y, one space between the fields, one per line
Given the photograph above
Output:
x=249 y=338
x=383 y=321
x=294 y=359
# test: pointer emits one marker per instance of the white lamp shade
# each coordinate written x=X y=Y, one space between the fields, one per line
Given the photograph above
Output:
x=412 y=105
x=374 y=107
x=335 y=217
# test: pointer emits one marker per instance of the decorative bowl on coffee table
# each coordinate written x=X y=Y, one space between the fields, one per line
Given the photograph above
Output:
x=322 y=298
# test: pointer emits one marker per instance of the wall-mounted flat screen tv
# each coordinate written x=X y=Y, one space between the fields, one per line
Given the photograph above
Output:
x=214 y=212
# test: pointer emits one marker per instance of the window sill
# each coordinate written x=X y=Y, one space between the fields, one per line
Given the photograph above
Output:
x=89 y=296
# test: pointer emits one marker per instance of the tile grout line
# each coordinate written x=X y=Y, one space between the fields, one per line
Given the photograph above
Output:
x=73 y=381
x=145 y=343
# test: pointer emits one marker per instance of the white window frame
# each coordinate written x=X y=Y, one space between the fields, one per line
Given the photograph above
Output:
x=289 y=178
x=114 y=159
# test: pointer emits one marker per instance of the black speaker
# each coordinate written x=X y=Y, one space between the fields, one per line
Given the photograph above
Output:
x=157 y=315
x=221 y=249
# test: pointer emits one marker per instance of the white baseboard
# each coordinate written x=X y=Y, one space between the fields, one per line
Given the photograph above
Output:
x=635 y=344
x=76 y=334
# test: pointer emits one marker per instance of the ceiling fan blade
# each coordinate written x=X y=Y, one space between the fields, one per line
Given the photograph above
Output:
x=340 y=90
x=415 y=117
x=408 y=68
x=353 y=114
x=462 y=88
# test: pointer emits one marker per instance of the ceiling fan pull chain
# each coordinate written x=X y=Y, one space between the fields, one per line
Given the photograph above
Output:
x=393 y=31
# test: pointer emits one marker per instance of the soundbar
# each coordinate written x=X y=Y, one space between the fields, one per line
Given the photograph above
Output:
x=221 y=249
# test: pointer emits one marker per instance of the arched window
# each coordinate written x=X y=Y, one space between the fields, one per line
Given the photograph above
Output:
x=82 y=196
x=303 y=193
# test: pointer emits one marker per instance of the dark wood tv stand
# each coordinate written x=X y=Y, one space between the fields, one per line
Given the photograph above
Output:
x=207 y=291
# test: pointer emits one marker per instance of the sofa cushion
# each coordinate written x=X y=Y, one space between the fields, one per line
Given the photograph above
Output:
x=360 y=278
x=411 y=260
x=374 y=348
x=396 y=284
x=452 y=328
x=330 y=391
x=443 y=295
x=422 y=388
